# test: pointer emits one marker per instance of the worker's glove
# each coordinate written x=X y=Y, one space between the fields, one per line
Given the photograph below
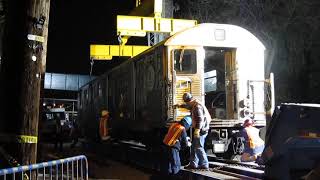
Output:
x=188 y=141
x=196 y=133
x=188 y=144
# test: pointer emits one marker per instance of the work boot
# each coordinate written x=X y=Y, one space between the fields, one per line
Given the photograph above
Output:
x=203 y=167
x=190 y=166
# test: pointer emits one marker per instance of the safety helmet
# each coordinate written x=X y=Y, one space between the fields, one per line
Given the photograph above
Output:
x=186 y=121
x=248 y=122
x=104 y=112
x=187 y=97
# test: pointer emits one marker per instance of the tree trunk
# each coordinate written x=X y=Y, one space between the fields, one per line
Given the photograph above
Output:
x=21 y=76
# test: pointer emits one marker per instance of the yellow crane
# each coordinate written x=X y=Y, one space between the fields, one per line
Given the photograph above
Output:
x=134 y=25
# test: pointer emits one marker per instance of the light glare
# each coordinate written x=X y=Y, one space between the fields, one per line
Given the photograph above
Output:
x=34 y=58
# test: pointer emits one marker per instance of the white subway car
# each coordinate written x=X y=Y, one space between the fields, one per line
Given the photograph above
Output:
x=221 y=65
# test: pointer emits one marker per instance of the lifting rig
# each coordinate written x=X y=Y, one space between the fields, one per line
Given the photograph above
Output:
x=229 y=112
x=139 y=26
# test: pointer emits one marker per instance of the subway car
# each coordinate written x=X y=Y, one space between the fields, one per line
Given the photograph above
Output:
x=221 y=65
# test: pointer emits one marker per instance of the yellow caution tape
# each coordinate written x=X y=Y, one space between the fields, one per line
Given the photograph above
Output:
x=18 y=138
x=33 y=37
x=27 y=139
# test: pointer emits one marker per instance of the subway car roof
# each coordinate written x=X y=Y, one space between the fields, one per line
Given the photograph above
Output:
x=206 y=34
x=215 y=35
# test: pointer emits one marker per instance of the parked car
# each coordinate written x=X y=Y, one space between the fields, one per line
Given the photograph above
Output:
x=49 y=128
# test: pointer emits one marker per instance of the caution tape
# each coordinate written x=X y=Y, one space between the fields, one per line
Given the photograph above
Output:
x=18 y=138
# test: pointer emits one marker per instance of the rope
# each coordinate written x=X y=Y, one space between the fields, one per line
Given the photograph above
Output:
x=91 y=66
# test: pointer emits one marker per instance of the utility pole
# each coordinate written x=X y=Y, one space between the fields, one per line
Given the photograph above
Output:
x=24 y=44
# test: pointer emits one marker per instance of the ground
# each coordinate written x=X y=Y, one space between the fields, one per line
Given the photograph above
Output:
x=99 y=167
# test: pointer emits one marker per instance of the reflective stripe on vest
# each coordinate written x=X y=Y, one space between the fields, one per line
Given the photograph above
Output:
x=173 y=134
x=103 y=130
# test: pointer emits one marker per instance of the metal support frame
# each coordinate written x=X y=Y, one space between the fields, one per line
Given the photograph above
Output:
x=154 y=27
x=138 y=26
x=154 y=38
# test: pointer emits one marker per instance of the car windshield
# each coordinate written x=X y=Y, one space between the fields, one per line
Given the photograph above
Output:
x=50 y=116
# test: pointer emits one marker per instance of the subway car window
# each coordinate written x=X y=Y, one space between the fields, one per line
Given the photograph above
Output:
x=210 y=81
x=185 y=61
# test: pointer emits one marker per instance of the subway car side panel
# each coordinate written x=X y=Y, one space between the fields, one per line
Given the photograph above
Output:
x=121 y=99
x=150 y=93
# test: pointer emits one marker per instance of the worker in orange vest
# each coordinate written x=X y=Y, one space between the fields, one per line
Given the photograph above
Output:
x=103 y=125
x=254 y=145
x=175 y=138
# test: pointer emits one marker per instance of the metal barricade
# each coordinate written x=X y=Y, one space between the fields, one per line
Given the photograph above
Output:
x=68 y=168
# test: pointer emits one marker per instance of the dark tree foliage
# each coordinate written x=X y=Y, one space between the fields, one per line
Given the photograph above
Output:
x=288 y=28
x=2 y=23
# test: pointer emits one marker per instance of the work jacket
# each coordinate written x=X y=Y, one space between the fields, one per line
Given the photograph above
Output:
x=200 y=116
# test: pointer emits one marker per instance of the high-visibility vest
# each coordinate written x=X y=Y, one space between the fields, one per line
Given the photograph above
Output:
x=103 y=127
x=173 y=134
x=254 y=138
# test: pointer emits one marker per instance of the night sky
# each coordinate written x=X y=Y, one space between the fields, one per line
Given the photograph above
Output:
x=74 y=25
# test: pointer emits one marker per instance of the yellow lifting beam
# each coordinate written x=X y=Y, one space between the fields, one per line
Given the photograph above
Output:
x=106 y=52
x=138 y=26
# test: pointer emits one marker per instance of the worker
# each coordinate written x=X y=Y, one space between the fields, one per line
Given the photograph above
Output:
x=74 y=133
x=254 y=145
x=200 y=124
x=175 y=138
x=103 y=125
x=58 y=145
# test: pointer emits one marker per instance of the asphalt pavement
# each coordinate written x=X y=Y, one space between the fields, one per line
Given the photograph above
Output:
x=103 y=168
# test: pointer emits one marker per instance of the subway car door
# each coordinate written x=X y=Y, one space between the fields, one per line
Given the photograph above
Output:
x=231 y=84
